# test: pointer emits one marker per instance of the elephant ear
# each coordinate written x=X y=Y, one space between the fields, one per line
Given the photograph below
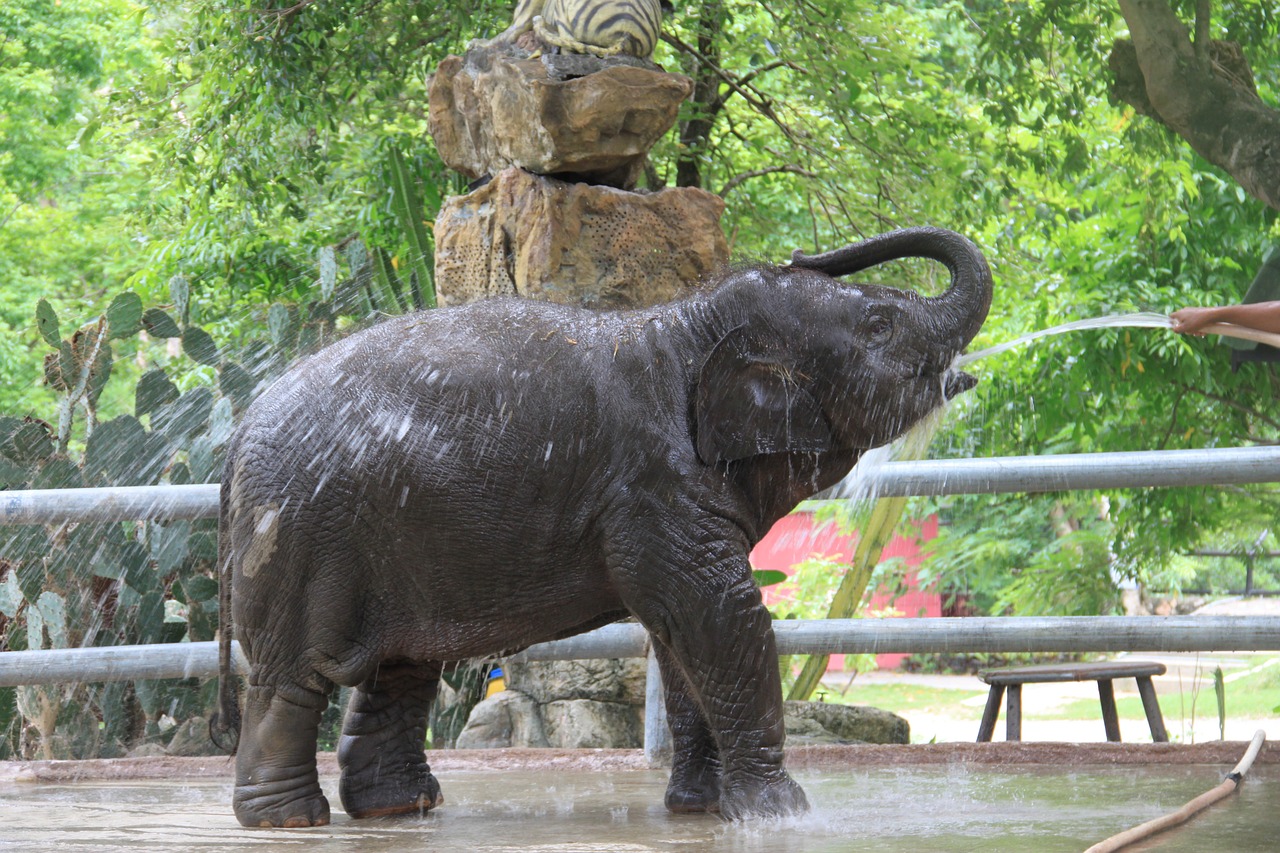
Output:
x=748 y=403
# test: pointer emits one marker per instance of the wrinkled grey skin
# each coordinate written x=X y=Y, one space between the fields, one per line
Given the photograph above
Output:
x=474 y=480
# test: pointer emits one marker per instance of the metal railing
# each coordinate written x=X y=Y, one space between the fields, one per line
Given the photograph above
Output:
x=996 y=635
x=842 y=636
x=1077 y=471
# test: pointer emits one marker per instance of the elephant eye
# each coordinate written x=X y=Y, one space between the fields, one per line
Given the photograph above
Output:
x=879 y=326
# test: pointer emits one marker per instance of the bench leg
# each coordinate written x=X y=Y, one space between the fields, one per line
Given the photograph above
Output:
x=1110 y=719
x=1149 y=704
x=1013 y=714
x=990 y=713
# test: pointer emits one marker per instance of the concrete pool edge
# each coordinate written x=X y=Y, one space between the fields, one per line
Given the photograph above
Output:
x=996 y=754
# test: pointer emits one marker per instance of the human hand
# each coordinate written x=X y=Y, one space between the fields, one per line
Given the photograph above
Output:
x=1190 y=321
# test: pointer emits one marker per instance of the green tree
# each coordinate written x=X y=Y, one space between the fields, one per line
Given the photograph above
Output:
x=275 y=165
x=69 y=182
x=1110 y=212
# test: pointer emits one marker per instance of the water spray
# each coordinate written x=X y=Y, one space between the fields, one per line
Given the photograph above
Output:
x=1142 y=320
x=1139 y=320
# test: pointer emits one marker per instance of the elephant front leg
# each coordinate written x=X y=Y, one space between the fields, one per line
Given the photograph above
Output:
x=721 y=636
x=381 y=754
x=276 y=779
x=694 y=785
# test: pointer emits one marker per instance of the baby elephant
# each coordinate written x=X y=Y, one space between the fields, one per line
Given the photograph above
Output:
x=469 y=481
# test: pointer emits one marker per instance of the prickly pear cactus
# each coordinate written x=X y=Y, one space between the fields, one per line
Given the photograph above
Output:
x=68 y=585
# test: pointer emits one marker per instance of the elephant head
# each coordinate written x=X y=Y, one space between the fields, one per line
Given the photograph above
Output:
x=827 y=366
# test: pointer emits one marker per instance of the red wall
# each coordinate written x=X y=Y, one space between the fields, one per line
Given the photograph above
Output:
x=798 y=537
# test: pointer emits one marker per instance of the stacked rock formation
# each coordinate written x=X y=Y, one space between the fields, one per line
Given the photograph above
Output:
x=599 y=704
x=554 y=156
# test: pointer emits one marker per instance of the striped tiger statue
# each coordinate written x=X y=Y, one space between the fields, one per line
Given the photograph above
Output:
x=598 y=27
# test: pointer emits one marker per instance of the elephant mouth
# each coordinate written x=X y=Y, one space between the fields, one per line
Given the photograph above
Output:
x=957 y=382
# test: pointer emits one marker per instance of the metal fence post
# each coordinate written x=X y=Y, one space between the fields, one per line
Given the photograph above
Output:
x=657 y=735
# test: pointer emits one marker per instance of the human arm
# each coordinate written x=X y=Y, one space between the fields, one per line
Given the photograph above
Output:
x=1263 y=316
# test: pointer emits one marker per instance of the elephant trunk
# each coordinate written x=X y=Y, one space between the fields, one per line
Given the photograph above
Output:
x=960 y=311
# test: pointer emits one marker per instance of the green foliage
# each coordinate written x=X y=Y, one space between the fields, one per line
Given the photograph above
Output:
x=68 y=187
x=51 y=56
x=305 y=131
x=768 y=577
x=1028 y=555
x=244 y=183
x=1104 y=213
x=1124 y=389
x=808 y=591
x=1220 y=693
x=47 y=323
x=823 y=121
x=408 y=210
x=87 y=585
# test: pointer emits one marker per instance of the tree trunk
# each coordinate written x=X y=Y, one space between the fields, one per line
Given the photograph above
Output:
x=1221 y=118
x=706 y=103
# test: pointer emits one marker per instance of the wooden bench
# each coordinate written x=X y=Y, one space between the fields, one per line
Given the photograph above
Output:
x=1104 y=673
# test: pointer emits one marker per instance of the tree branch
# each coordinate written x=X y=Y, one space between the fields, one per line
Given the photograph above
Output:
x=1173 y=421
x=740 y=179
x=1232 y=404
x=746 y=79
x=9 y=215
x=758 y=101
x=1223 y=120
x=1204 y=9
x=284 y=12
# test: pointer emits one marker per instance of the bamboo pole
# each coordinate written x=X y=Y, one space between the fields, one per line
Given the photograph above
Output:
x=853 y=586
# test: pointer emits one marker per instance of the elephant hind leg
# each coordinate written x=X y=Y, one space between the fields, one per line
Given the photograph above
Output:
x=694 y=786
x=276 y=779
x=381 y=754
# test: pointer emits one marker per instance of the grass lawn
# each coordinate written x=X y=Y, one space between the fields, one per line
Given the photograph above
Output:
x=1254 y=695
x=901 y=698
x=1251 y=694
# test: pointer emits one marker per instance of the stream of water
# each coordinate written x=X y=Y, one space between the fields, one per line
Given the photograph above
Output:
x=915 y=443
x=1140 y=320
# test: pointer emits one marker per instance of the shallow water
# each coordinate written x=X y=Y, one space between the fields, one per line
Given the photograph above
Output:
x=881 y=809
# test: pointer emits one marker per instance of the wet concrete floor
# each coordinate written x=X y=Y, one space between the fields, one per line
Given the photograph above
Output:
x=939 y=807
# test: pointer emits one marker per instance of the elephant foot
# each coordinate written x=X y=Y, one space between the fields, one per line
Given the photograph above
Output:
x=384 y=792
x=685 y=801
x=423 y=804
x=276 y=806
x=384 y=766
x=376 y=784
x=778 y=797
x=276 y=779
x=693 y=792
